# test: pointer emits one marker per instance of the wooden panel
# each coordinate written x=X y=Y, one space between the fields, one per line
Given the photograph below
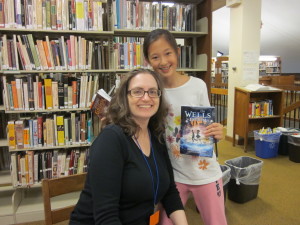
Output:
x=58 y=186
x=62 y=214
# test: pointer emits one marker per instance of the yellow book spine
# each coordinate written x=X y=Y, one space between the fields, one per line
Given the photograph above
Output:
x=60 y=130
x=11 y=135
x=26 y=137
x=48 y=93
x=138 y=55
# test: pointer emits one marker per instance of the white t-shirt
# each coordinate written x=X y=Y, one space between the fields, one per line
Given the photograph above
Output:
x=188 y=169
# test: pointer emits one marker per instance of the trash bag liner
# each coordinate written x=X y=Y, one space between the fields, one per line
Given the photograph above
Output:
x=245 y=170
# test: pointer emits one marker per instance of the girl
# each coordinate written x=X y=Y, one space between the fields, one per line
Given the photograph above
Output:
x=200 y=176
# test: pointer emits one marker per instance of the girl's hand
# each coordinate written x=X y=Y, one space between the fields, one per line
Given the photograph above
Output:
x=215 y=130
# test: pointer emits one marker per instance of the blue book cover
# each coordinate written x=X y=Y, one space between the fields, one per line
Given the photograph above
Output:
x=194 y=121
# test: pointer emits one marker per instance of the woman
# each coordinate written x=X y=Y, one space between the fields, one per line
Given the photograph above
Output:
x=129 y=170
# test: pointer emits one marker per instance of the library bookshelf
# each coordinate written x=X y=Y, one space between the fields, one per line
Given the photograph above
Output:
x=64 y=49
x=269 y=66
x=246 y=121
x=221 y=69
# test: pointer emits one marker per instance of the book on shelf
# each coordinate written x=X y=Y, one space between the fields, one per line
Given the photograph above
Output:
x=11 y=134
x=100 y=102
x=194 y=120
x=60 y=130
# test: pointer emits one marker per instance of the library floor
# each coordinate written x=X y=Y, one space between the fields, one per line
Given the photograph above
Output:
x=278 y=197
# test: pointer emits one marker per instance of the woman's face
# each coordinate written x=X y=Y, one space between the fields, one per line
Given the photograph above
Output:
x=163 y=58
x=142 y=108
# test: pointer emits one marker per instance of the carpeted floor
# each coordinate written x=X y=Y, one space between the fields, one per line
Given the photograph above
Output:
x=278 y=200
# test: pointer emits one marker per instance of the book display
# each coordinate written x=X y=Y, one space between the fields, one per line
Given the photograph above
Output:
x=256 y=107
x=54 y=56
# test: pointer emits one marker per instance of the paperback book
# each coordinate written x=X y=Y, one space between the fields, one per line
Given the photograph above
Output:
x=100 y=102
x=194 y=121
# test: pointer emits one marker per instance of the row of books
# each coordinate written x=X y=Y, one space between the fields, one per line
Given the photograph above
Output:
x=152 y=15
x=50 y=130
x=261 y=108
x=128 y=53
x=54 y=14
x=54 y=91
x=264 y=64
x=28 y=168
x=22 y=52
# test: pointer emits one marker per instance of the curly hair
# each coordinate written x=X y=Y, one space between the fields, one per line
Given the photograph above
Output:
x=119 y=113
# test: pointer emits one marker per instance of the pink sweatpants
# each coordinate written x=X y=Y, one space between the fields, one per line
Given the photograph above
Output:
x=209 y=199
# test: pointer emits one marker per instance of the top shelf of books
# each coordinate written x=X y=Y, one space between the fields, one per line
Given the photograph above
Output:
x=98 y=17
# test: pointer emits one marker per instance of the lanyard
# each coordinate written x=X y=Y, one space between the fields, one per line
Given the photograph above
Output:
x=155 y=190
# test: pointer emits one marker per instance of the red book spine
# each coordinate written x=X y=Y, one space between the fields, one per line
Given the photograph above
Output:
x=40 y=130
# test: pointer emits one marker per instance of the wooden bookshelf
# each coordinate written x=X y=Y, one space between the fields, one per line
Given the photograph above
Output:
x=243 y=123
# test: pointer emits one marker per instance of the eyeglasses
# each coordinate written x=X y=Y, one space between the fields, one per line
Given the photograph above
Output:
x=138 y=93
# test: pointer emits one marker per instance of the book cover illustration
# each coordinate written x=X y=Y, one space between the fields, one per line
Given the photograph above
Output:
x=194 y=121
x=100 y=102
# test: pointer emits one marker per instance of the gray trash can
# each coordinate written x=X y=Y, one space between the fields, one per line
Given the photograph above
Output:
x=245 y=174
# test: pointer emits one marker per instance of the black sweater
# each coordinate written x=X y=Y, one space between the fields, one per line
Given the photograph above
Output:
x=119 y=188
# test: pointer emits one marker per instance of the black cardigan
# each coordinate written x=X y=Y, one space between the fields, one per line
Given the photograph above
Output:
x=119 y=188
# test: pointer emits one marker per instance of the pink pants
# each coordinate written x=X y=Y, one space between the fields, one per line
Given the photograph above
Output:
x=209 y=199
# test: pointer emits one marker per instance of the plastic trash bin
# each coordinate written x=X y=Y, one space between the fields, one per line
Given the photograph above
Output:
x=245 y=175
x=294 y=148
x=266 y=145
x=283 y=147
x=225 y=178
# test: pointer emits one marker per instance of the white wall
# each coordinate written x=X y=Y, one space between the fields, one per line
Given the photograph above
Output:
x=280 y=33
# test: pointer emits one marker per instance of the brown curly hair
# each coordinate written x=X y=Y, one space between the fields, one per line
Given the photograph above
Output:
x=119 y=113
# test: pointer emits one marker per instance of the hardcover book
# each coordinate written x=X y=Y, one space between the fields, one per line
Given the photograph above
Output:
x=100 y=103
x=194 y=121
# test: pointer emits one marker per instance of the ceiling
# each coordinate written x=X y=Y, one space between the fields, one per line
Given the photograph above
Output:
x=280 y=32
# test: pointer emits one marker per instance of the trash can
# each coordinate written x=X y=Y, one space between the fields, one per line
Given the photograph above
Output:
x=266 y=145
x=294 y=148
x=244 y=182
x=225 y=178
x=283 y=147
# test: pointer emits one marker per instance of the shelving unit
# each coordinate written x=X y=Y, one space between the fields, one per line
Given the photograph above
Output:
x=6 y=208
x=243 y=123
x=269 y=66
x=26 y=204
x=221 y=69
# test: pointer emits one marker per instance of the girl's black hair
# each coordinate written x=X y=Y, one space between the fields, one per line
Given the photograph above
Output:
x=154 y=36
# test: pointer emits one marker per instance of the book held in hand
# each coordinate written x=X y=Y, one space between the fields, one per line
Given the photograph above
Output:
x=100 y=102
x=194 y=121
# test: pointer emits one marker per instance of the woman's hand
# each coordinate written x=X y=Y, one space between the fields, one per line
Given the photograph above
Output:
x=215 y=130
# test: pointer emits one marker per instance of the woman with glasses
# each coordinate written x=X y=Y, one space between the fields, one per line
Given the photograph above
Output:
x=129 y=170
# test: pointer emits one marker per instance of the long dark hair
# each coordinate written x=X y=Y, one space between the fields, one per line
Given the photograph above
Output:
x=154 y=36
x=119 y=113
